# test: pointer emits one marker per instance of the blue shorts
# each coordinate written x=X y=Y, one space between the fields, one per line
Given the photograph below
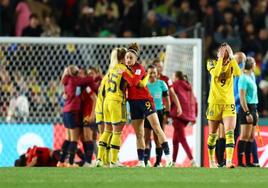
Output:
x=140 y=109
x=72 y=120
x=160 y=114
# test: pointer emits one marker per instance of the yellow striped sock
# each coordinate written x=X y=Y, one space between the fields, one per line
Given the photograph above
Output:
x=229 y=136
x=211 y=142
x=106 y=156
x=115 y=146
x=103 y=144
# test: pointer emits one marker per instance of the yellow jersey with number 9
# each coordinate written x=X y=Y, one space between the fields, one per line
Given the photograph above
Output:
x=116 y=85
x=221 y=86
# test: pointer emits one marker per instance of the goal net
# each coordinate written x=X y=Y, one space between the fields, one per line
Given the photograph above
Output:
x=30 y=70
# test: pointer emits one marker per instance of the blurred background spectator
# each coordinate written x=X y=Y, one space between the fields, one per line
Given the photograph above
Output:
x=18 y=110
x=50 y=28
x=23 y=13
x=33 y=29
x=242 y=23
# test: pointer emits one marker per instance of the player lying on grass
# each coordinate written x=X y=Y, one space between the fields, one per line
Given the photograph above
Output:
x=43 y=157
x=38 y=156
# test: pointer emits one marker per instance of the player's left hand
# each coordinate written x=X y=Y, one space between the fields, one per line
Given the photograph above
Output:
x=230 y=51
x=120 y=71
x=89 y=119
x=92 y=117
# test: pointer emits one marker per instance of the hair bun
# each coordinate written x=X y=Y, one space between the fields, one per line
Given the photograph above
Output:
x=134 y=47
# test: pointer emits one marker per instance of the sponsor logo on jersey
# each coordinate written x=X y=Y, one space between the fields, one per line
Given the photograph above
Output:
x=138 y=72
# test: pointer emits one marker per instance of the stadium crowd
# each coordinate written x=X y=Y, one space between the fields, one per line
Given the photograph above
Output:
x=241 y=23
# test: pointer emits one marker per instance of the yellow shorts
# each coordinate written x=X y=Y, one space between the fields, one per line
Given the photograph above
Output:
x=217 y=112
x=99 y=111
x=99 y=117
x=115 y=112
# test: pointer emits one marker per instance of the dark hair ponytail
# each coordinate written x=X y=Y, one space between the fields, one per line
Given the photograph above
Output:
x=180 y=75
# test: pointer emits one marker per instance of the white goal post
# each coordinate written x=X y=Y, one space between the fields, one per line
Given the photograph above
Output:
x=32 y=67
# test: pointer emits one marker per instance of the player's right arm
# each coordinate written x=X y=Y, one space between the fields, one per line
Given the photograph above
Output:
x=144 y=81
x=135 y=78
x=213 y=69
x=32 y=163
x=236 y=68
x=86 y=81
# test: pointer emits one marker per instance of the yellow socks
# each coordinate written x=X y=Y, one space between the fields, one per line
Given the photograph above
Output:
x=211 y=142
x=107 y=154
x=115 y=146
x=103 y=144
x=229 y=136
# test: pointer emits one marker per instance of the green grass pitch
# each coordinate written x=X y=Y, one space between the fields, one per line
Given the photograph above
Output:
x=133 y=177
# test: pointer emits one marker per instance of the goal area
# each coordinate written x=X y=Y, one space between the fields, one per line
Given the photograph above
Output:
x=31 y=93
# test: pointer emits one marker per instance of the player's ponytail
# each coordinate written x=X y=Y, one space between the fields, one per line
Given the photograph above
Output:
x=121 y=52
x=179 y=75
x=113 y=59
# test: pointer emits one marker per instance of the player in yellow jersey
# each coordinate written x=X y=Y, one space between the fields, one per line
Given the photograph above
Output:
x=114 y=108
x=221 y=102
x=100 y=116
x=99 y=105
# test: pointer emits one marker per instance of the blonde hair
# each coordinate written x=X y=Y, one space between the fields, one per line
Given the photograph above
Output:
x=117 y=55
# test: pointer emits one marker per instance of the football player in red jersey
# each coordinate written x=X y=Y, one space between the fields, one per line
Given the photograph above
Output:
x=41 y=157
x=71 y=111
x=88 y=103
x=142 y=105
x=38 y=156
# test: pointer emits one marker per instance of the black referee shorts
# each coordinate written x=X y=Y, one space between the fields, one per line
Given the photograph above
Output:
x=242 y=115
